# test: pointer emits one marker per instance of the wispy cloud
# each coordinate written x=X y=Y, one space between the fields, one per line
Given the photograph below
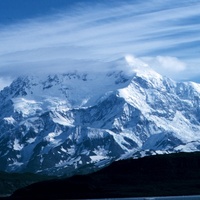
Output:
x=169 y=66
x=164 y=31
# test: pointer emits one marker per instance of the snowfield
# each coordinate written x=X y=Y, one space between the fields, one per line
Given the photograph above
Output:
x=79 y=121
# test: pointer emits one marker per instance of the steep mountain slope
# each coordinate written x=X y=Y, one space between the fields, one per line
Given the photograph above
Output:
x=77 y=122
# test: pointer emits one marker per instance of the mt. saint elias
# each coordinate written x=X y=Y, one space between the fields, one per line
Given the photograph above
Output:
x=77 y=122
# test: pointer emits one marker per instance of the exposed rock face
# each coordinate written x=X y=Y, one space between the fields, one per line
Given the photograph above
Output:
x=76 y=122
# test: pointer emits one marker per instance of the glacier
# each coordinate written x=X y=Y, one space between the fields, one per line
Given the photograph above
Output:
x=78 y=122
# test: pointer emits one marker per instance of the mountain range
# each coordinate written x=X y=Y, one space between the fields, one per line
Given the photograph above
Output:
x=80 y=121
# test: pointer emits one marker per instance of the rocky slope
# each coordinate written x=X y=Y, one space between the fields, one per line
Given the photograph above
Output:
x=80 y=121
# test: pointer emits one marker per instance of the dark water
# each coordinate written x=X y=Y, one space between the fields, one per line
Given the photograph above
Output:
x=196 y=197
x=168 y=198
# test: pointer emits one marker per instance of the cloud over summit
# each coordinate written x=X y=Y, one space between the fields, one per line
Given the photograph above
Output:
x=165 y=33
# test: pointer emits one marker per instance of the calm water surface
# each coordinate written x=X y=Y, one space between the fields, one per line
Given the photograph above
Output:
x=197 y=197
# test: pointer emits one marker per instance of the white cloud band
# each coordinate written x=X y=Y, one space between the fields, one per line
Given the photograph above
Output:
x=100 y=33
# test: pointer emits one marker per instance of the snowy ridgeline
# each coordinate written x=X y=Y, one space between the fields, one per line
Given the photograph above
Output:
x=79 y=121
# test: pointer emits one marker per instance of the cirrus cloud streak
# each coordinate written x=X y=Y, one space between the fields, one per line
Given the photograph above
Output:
x=160 y=32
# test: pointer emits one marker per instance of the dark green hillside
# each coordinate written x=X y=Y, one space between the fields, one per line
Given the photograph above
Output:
x=9 y=182
x=173 y=174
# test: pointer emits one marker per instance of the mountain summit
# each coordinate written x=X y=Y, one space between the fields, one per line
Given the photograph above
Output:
x=61 y=124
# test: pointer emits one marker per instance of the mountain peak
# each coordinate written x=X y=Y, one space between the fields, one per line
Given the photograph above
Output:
x=143 y=72
x=60 y=123
x=71 y=90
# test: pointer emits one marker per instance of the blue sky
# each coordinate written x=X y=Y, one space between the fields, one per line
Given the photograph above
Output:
x=60 y=35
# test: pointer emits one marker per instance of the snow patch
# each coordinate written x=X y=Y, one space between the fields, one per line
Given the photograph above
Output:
x=196 y=86
x=17 y=146
x=31 y=140
x=58 y=118
x=10 y=120
x=64 y=150
x=26 y=106
x=97 y=158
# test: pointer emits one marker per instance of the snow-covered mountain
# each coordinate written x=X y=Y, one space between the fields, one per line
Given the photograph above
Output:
x=79 y=121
